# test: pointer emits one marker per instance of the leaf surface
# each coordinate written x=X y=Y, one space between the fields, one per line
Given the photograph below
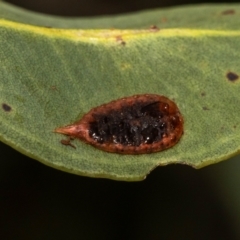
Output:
x=54 y=70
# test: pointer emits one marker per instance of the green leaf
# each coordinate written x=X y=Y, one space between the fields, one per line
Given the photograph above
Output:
x=52 y=72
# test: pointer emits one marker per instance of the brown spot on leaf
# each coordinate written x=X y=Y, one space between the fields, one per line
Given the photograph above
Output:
x=205 y=108
x=119 y=39
x=6 y=107
x=203 y=94
x=132 y=125
x=163 y=20
x=231 y=76
x=54 y=88
x=154 y=28
x=228 y=12
x=67 y=142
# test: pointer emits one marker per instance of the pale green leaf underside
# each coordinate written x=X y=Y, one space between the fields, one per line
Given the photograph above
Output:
x=51 y=77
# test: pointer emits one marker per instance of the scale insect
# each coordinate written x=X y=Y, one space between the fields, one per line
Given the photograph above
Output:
x=132 y=125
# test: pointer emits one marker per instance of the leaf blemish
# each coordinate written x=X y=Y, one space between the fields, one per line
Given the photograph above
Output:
x=67 y=142
x=228 y=12
x=54 y=88
x=6 y=107
x=119 y=39
x=231 y=76
x=163 y=20
x=203 y=94
x=205 y=108
x=133 y=125
x=154 y=28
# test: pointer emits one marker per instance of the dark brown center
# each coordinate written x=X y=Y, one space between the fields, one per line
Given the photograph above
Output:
x=142 y=122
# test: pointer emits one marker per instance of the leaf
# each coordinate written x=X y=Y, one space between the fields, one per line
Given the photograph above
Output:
x=52 y=73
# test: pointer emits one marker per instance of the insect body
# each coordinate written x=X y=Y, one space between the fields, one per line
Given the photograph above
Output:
x=131 y=125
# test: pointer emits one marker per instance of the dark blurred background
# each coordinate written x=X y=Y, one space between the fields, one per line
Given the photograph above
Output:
x=174 y=202
x=99 y=7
